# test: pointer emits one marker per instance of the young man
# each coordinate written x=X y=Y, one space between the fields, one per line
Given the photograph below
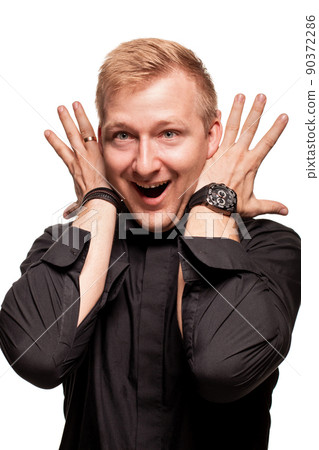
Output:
x=165 y=329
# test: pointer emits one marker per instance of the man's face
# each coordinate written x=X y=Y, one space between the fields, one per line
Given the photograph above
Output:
x=155 y=147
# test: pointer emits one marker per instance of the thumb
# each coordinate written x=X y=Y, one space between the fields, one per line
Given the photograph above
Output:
x=71 y=210
x=272 y=207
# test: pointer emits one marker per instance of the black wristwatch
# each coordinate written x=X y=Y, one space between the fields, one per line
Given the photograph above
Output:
x=218 y=196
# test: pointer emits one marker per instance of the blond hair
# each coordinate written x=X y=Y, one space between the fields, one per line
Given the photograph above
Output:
x=134 y=63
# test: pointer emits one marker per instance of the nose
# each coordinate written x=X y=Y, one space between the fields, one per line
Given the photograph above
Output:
x=146 y=162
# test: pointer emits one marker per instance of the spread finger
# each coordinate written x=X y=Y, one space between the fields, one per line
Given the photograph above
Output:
x=251 y=124
x=85 y=126
x=233 y=122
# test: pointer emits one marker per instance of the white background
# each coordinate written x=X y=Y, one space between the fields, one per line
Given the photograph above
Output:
x=50 y=55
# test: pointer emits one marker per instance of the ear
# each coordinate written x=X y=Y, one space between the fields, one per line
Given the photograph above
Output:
x=214 y=135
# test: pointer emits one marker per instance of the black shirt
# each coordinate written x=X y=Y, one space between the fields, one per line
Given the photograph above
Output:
x=130 y=380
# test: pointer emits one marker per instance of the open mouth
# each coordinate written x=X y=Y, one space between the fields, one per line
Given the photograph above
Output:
x=152 y=192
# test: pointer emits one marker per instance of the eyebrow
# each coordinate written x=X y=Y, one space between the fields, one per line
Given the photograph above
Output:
x=171 y=121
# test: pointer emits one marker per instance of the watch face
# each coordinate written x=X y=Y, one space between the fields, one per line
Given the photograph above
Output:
x=222 y=197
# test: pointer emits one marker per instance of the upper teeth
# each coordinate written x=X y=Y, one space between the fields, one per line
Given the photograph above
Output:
x=152 y=186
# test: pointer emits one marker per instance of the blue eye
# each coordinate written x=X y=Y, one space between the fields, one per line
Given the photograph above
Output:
x=169 y=134
x=122 y=136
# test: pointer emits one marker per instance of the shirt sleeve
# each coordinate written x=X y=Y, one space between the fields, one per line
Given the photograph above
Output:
x=38 y=320
x=240 y=304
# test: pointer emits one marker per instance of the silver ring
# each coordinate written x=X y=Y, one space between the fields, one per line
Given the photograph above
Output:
x=90 y=138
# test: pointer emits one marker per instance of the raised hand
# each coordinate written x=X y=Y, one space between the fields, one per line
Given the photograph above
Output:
x=235 y=165
x=84 y=159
